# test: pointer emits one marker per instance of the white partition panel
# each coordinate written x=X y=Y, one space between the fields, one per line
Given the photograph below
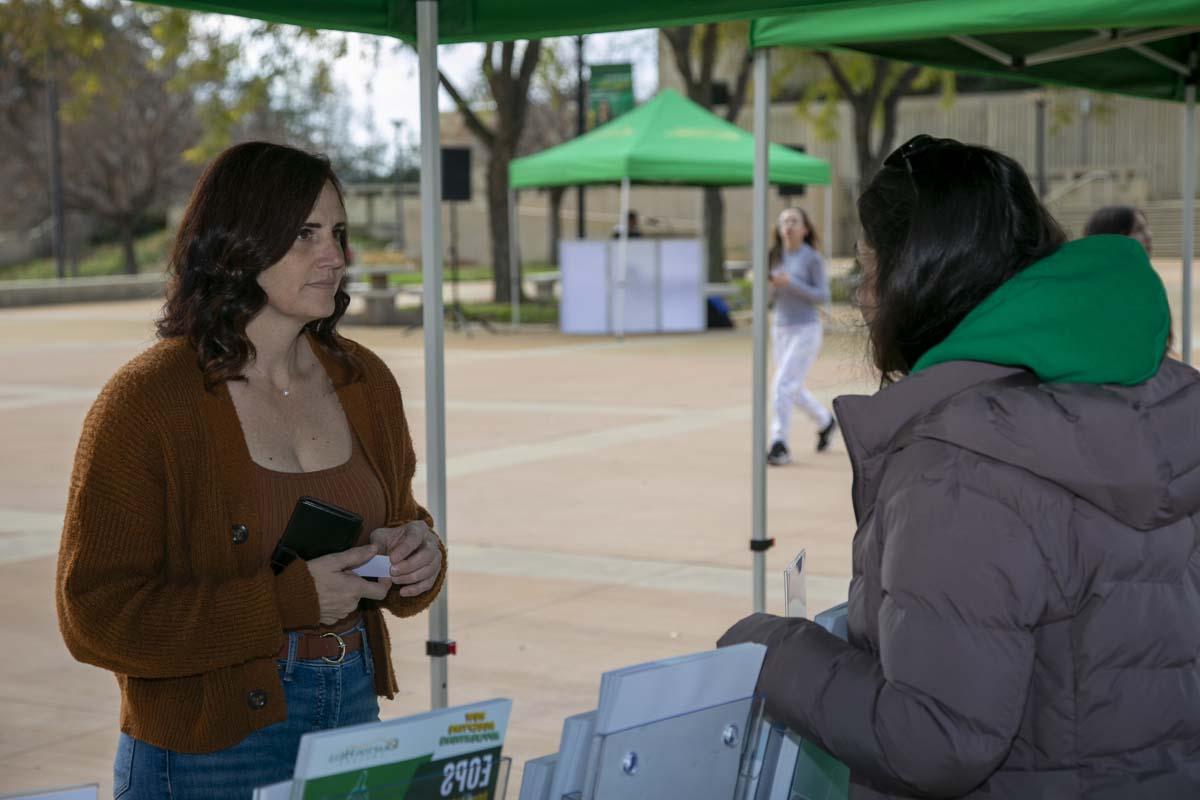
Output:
x=641 y=284
x=681 y=299
x=584 y=305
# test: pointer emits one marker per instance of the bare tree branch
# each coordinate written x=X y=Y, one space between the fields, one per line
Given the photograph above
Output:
x=737 y=98
x=708 y=61
x=879 y=68
x=520 y=94
x=474 y=123
x=680 y=40
x=891 y=104
x=489 y=67
x=507 y=53
x=838 y=75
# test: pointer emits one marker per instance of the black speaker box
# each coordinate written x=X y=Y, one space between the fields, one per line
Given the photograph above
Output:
x=793 y=189
x=456 y=174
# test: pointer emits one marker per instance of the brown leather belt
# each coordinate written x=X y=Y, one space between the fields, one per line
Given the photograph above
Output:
x=329 y=647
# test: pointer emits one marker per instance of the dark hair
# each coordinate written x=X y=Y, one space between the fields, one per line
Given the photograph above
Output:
x=810 y=238
x=1120 y=220
x=242 y=218
x=949 y=223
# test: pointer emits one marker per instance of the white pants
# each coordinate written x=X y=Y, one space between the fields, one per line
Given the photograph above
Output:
x=796 y=348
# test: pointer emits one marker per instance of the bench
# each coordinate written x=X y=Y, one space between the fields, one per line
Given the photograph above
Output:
x=736 y=270
x=544 y=283
x=379 y=295
x=721 y=290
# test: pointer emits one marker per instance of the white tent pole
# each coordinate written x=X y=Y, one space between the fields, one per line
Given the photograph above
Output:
x=759 y=259
x=435 y=387
x=1189 y=199
x=514 y=259
x=622 y=258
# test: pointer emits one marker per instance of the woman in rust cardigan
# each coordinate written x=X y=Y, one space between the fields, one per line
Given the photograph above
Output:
x=187 y=469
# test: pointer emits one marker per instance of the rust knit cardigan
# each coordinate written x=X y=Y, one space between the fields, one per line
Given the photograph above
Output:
x=157 y=579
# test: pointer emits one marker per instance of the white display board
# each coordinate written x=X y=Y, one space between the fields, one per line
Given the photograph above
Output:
x=664 y=281
x=681 y=285
x=641 y=284
x=583 y=307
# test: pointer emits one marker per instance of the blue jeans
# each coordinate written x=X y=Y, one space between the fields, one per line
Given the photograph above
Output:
x=319 y=696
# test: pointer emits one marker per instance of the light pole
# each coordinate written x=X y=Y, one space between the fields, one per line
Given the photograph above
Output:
x=580 y=117
x=56 y=172
x=398 y=236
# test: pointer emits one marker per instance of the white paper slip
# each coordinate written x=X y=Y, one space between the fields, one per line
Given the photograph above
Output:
x=573 y=749
x=537 y=777
x=89 y=792
x=276 y=791
x=377 y=567
x=659 y=690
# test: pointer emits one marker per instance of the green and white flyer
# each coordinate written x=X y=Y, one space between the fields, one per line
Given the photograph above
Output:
x=448 y=754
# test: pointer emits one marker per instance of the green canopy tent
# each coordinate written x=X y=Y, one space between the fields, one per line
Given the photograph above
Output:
x=669 y=140
x=1147 y=49
x=428 y=23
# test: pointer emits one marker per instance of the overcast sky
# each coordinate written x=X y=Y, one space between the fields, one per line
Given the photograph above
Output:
x=391 y=90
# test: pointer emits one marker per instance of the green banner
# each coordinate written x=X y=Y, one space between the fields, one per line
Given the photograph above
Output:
x=610 y=92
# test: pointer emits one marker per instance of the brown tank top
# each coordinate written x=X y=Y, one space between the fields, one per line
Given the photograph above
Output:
x=352 y=485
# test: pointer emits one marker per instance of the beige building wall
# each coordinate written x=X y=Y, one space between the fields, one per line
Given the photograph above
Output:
x=1138 y=142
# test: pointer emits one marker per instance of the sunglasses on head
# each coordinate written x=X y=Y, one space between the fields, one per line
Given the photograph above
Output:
x=913 y=149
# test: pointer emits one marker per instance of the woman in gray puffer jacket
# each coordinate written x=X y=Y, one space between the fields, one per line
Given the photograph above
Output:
x=1024 y=617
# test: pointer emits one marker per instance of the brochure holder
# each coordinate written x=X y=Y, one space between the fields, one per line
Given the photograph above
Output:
x=692 y=755
x=793 y=768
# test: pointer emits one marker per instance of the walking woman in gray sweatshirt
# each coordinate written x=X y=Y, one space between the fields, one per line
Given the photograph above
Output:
x=800 y=284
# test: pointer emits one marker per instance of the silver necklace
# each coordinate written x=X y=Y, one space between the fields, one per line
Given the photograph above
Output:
x=285 y=391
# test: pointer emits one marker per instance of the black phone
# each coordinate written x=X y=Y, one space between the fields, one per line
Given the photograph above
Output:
x=316 y=529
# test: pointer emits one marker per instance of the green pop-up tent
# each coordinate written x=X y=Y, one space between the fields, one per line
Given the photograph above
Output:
x=428 y=23
x=1146 y=49
x=667 y=141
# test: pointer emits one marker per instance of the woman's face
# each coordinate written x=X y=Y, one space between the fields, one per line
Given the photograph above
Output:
x=303 y=284
x=1141 y=232
x=792 y=229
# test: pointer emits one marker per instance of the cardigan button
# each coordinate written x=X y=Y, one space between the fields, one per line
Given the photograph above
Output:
x=257 y=699
x=240 y=533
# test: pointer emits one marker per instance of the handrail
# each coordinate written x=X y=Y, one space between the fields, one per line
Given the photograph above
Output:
x=1089 y=177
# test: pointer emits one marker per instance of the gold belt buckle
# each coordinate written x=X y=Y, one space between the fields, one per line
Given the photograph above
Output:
x=341 y=652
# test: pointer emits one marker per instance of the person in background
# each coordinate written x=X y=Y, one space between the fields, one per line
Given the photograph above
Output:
x=1022 y=616
x=1122 y=221
x=800 y=286
x=632 y=224
x=188 y=467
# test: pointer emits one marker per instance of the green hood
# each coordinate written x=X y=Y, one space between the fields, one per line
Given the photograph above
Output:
x=1094 y=312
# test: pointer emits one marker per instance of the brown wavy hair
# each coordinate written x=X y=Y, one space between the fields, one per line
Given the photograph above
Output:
x=243 y=217
x=775 y=255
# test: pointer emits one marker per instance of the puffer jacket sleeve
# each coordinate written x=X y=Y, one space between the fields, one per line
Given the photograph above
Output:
x=936 y=711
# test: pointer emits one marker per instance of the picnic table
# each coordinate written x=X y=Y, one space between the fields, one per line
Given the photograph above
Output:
x=374 y=287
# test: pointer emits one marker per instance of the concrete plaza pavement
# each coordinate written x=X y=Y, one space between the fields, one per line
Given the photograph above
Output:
x=599 y=512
